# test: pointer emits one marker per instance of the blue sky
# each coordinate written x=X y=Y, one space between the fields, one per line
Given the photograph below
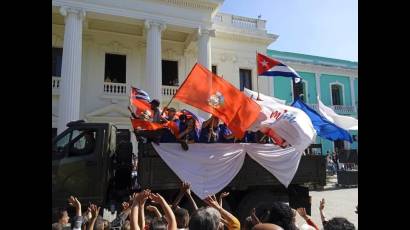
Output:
x=325 y=28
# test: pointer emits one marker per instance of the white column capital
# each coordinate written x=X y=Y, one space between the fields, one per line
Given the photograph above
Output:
x=206 y=32
x=152 y=23
x=65 y=11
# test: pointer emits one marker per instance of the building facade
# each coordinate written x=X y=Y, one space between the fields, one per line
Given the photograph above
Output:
x=334 y=81
x=102 y=47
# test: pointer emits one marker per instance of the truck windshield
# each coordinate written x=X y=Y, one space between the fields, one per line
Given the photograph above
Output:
x=59 y=148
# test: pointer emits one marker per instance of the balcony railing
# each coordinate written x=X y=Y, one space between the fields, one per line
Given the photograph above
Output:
x=244 y=22
x=55 y=84
x=119 y=89
x=342 y=109
x=115 y=89
x=239 y=21
x=168 y=91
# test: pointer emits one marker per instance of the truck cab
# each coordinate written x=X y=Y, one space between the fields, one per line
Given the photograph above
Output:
x=81 y=163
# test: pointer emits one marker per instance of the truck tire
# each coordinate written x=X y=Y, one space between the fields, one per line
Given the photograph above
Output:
x=260 y=200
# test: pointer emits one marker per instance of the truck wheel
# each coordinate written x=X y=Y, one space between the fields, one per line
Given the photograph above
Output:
x=260 y=200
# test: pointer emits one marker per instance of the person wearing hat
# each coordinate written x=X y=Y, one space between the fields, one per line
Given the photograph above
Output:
x=156 y=117
x=171 y=115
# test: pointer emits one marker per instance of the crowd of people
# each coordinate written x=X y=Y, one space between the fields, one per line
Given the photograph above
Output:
x=334 y=164
x=146 y=210
x=212 y=130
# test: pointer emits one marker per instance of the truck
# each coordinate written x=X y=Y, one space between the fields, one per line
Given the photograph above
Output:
x=102 y=174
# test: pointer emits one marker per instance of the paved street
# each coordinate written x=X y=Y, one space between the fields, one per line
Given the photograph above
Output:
x=339 y=202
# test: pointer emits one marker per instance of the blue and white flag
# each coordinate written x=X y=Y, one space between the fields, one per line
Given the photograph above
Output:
x=324 y=128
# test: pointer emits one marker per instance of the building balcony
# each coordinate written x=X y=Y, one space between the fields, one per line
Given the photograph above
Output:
x=168 y=92
x=340 y=109
x=230 y=20
x=343 y=108
x=117 y=90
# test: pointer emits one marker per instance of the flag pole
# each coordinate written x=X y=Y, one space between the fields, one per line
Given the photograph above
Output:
x=257 y=76
x=173 y=96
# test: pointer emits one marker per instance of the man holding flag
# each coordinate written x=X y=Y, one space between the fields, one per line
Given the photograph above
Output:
x=210 y=93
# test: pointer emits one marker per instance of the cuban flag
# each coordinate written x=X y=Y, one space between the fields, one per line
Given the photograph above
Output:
x=140 y=94
x=270 y=67
x=140 y=102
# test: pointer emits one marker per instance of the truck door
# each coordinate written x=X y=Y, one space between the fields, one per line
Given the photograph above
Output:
x=78 y=169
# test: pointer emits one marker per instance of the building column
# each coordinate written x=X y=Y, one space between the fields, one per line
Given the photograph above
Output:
x=353 y=96
x=204 y=47
x=317 y=79
x=153 y=66
x=70 y=86
x=204 y=55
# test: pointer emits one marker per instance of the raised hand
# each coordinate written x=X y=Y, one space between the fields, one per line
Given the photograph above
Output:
x=94 y=214
x=73 y=201
x=302 y=212
x=156 y=198
x=213 y=197
x=211 y=201
x=94 y=209
x=255 y=220
x=137 y=198
x=322 y=204
x=145 y=195
x=186 y=188
x=253 y=211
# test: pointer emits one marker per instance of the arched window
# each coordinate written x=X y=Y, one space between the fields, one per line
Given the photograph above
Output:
x=337 y=94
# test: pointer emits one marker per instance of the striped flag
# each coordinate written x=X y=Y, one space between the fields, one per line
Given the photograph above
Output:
x=271 y=67
x=140 y=102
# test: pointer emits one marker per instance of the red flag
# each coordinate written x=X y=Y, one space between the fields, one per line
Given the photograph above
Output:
x=139 y=100
x=140 y=124
x=265 y=63
x=173 y=126
x=145 y=125
x=210 y=93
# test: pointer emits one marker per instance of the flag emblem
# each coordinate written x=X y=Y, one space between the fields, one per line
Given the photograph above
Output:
x=217 y=100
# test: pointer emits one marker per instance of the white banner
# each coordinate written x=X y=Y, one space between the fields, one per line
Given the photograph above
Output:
x=290 y=123
x=211 y=167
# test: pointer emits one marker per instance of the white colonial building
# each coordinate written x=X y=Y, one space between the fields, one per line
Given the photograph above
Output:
x=102 y=47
